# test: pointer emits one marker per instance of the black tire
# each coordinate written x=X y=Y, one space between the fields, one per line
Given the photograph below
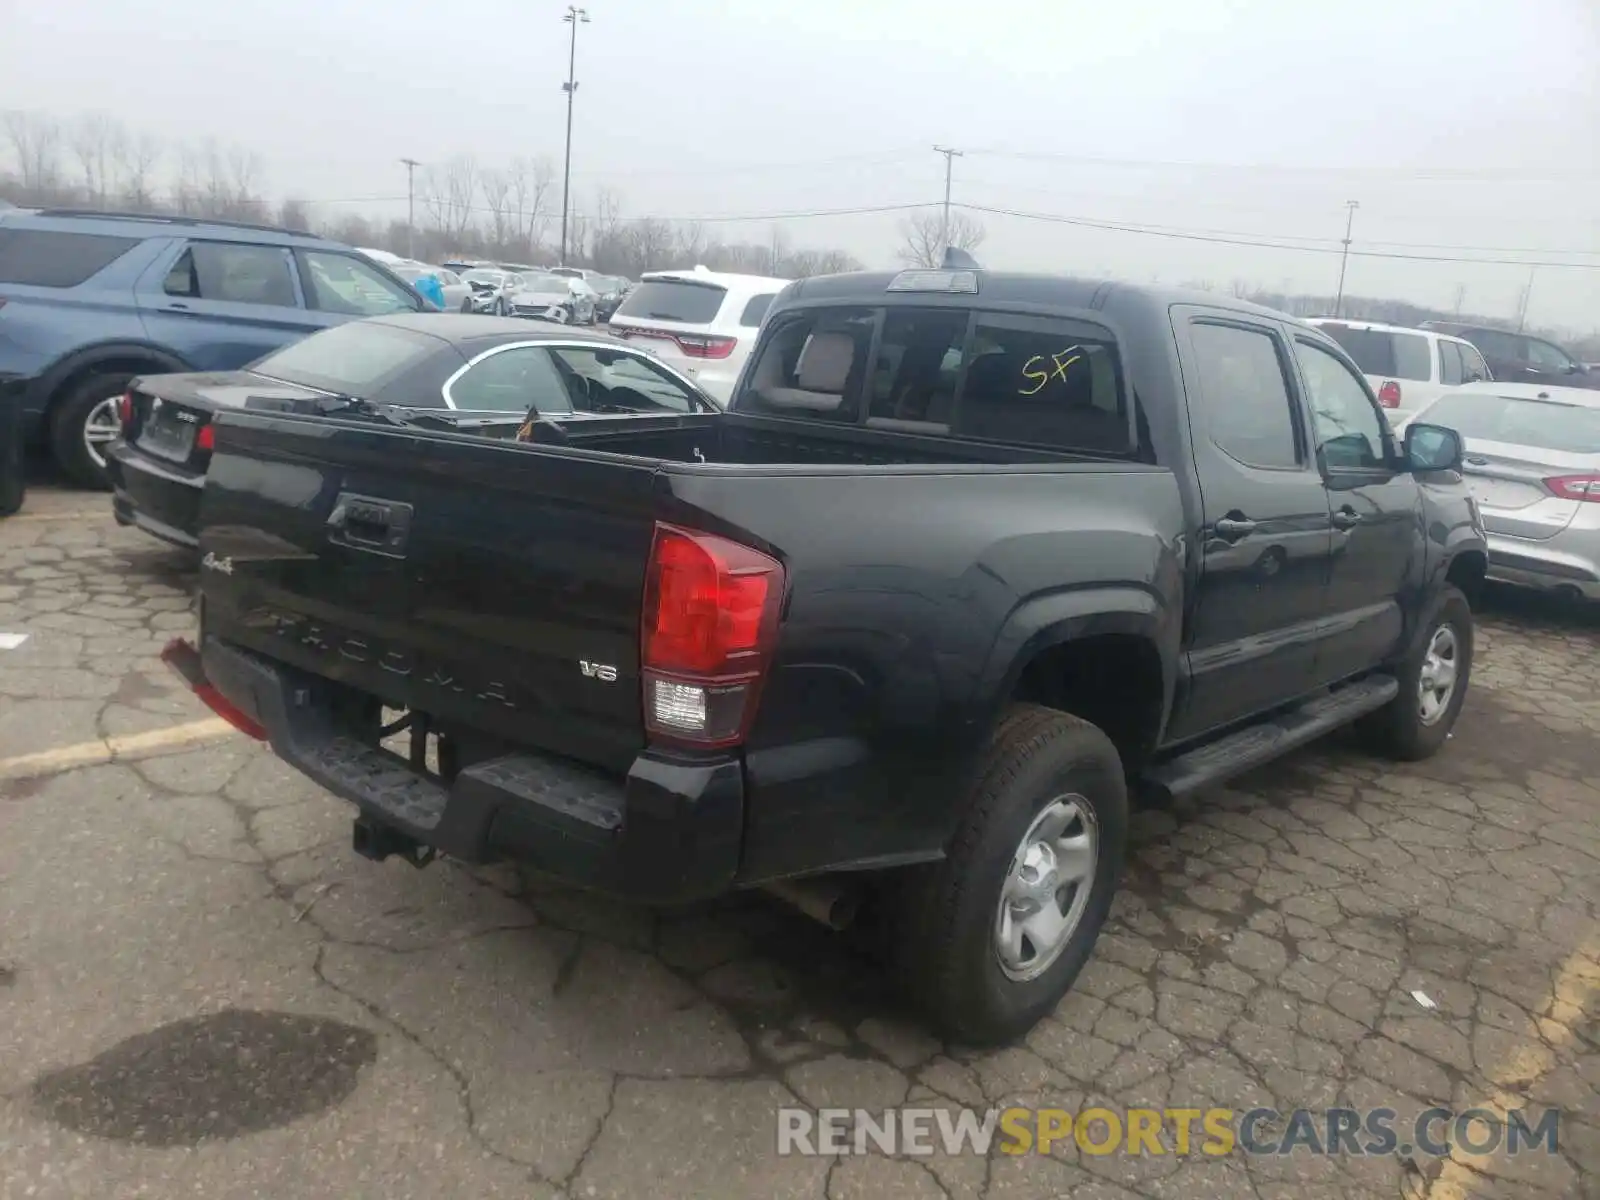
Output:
x=466 y=305
x=946 y=913
x=1398 y=730
x=70 y=413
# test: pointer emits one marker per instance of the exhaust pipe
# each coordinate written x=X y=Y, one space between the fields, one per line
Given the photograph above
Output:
x=823 y=898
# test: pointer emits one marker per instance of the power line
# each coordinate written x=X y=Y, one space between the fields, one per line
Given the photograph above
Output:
x=1443 y=174
x=1292 y=237
x=1260 y=243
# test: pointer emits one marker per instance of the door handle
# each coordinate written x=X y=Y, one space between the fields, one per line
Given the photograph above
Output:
x=1231 y=529
x=1346 y=518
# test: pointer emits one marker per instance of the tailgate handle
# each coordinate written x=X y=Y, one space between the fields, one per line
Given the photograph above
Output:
x=371 y=524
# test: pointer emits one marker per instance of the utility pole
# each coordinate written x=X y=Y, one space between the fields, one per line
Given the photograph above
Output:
x=1344 y=256
x=575 y=16
x=950 y=157
x=411 y=166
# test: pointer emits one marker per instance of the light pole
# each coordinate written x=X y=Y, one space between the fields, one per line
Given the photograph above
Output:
x=950 y=157
x=574 y=17
x=411 y=166
x=1344 y=255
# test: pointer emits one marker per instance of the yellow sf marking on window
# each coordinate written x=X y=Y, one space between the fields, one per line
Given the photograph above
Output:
x=1059 y=370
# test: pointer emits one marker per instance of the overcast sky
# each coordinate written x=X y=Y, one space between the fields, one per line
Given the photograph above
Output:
x=1454 y=123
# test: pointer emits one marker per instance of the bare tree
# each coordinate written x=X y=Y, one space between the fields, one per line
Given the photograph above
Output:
x=36 y=143
x=802 y=264
x=496 y=187
x=924 y=238
x=95 y=138
x=692 y=243
x=134 y=159
x=531 y=180
x=295 y=214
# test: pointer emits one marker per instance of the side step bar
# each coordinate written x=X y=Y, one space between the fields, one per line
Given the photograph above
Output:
x=1260 y=743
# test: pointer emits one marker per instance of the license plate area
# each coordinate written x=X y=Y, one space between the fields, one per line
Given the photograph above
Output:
x=167 y=434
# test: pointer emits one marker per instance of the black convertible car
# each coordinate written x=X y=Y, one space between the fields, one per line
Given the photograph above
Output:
x=481 y=375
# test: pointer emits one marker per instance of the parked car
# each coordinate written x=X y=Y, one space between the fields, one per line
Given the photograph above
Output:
x=90 y=300
x=482 y=376
x=492 y=289
x=881 y=622
x=550 y=297
x=1532 y=461
x=609 y=293
x=702 y=322
x=1522 y=358
x=462 y=266
x=1407 y=368
x=584 y=273
x=457 y=293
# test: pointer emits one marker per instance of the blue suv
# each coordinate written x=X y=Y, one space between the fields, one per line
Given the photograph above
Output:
x=88 y=300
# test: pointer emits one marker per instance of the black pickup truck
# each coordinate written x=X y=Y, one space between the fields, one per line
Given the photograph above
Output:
x=971 y=558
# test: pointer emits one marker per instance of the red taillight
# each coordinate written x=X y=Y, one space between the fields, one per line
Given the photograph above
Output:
x=125 y=409
x=693 y=345
x=206 y=438
x=710 y=620
x=1576 y=487
x=1389 y=395
x=706 y=347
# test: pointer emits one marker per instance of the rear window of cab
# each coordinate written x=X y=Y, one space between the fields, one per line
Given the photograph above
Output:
x=1047 y=382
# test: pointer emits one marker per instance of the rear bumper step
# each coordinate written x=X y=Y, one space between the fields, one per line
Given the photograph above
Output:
x=669 y=831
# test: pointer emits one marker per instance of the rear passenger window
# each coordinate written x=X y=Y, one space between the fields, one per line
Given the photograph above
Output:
x=750 y=318
x=919 y=363
x=1449 y=363
x=1042 y=382
x=233 y=272
x=44 y=258
x=1246 y=397
x=813 y=365
x=1473 y=368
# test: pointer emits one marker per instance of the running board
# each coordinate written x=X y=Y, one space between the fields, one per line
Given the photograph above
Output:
x=1261 y=743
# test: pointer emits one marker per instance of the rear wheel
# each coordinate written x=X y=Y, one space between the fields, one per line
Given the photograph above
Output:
x=83 y=424
x=991 y=938
x=1433 y=684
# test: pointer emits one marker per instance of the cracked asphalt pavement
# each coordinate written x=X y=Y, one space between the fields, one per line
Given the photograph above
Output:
x=203 y=991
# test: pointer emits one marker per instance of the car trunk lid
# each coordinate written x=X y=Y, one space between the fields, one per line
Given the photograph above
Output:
x=1508 y=482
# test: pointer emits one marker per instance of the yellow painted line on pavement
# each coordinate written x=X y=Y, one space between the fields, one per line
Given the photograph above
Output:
x=1577 y=986
x=78 y=515
x=103 y=750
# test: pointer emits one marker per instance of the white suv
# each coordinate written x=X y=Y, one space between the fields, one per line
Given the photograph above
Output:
x=1407 y=368
x=701 y=323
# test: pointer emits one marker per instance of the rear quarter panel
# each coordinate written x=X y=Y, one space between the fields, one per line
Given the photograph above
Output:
x=913 y=598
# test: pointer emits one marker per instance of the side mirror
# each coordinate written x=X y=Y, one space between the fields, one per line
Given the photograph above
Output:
x=1432 y=448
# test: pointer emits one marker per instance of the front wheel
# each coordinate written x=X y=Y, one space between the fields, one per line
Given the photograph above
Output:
x=1433 y=684
x=991 y=938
